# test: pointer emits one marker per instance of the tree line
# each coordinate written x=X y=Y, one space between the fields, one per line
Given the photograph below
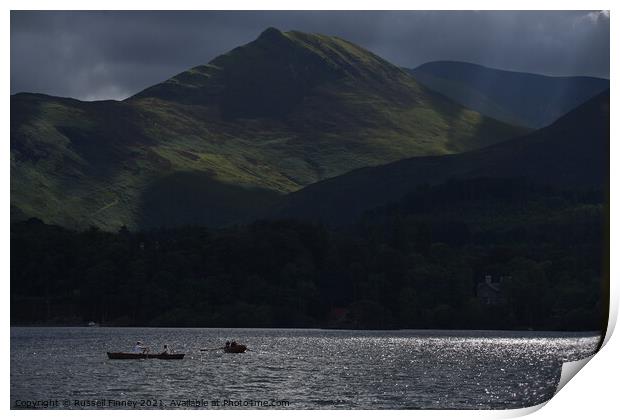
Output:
x=416 y=263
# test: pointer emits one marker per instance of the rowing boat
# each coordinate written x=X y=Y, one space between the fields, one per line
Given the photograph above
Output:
x=129 y=356
x=237 y=348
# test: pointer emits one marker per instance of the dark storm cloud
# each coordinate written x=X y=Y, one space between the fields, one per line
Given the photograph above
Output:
x=98 y=55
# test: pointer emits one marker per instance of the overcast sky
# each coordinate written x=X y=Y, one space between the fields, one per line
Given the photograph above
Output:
x=112 y=55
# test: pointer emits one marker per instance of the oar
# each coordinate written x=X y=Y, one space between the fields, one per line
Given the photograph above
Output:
x=217 y=348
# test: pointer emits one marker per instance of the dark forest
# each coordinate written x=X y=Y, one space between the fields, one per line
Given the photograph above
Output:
x=417 y=263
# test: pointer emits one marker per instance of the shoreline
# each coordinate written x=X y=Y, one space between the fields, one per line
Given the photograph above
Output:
x=585 y=332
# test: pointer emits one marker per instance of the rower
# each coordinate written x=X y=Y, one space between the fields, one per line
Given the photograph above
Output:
x=139 y=348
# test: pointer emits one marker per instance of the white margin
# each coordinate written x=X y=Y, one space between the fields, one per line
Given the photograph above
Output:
x=593 y=394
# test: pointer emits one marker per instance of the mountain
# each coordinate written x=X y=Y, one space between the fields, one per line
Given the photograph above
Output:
x=525 y=99
x=571 y=153
x=221 y=141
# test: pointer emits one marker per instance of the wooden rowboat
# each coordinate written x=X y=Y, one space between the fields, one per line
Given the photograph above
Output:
x=129 y=356
x=238 y=348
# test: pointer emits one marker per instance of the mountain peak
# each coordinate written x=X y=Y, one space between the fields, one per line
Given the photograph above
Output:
x=276 y=114
x=271 y=33
x=272 y=75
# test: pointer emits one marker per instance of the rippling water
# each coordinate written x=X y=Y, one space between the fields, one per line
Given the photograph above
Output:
x=304 y=368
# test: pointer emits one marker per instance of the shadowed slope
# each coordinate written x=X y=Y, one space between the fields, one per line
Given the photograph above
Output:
x=529 y=100
x=573 y=152
x=282 y=112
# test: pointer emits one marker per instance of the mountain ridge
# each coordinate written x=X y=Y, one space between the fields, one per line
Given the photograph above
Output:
x=570 y=153
x=527 y=99
x=269 y=117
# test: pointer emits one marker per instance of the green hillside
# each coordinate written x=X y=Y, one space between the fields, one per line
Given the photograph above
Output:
x=219 y=142
x=572 y=153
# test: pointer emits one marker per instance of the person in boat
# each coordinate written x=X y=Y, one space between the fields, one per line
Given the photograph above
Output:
x=233 y=344
x=227 y=345
x=139 y=348
x=166 y=350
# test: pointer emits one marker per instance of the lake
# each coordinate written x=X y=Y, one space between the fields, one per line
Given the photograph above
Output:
x=293 y=369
